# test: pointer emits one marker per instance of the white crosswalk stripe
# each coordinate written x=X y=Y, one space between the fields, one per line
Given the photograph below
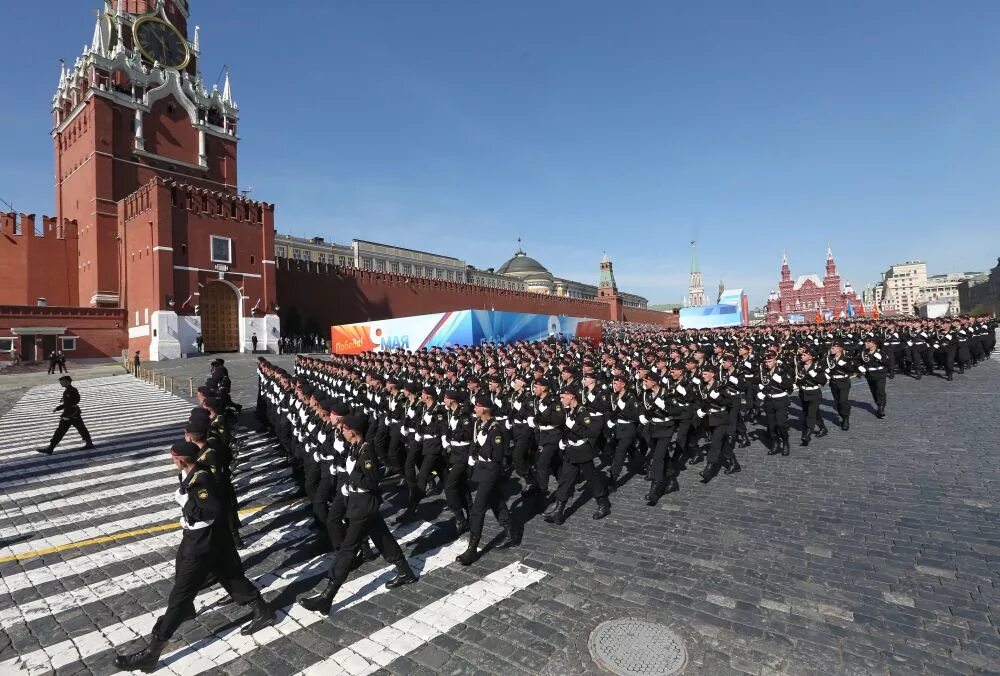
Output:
x=79 y=647
x=390 y=643
x=81 y=565
x=117 y=500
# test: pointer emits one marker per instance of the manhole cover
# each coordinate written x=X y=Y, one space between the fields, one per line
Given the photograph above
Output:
x=634 y=647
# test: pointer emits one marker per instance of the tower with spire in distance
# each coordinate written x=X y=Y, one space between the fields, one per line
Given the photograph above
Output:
x=607 y=286
x=696 y=290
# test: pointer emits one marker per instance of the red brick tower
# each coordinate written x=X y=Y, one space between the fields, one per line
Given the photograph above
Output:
x=146 y=165
x=607 y=290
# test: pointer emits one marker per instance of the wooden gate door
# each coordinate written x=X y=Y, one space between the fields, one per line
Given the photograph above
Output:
x=219 y=318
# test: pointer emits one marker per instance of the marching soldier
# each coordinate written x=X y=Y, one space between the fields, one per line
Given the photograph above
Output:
x=206 y=550
x=839 y=369
x=623 y=420
x=873 y=367
x=70 y=417
x=579 y=433
x=485 y=461
x=810 y=379
x=775 y=385
x=714 y=409
x=360 y=487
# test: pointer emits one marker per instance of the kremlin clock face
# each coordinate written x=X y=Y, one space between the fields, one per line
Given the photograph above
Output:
x=160 y=42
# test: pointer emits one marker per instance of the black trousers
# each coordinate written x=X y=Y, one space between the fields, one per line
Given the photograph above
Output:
x=624 y=446
x=922 y=359
x=428 y=464
x=65 y=422
x=336 y=525
x=358 y=528
x=488 y=497
x=524 y=441
x=456 y=486
x=190 y=575
x=324 y=494
x=660 y=465
x=412 y=464
x=840 y=388
x=717 y=435
x=548 y=456
x=567 y=479
x=810 y=415
x=777 y=417
x=877 y=387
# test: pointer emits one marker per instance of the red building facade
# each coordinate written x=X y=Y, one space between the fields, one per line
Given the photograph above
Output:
x=149 y=218
x=809 y=296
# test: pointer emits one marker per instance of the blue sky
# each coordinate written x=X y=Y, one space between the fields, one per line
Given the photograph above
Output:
x=457 y=126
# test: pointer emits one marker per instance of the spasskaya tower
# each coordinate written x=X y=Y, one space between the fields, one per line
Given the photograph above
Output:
x=146 y=164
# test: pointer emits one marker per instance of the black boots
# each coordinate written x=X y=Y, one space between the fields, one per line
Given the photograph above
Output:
x=822 y=431
x=471 y=552
x=785 y=449
x=509 y=539
x=654 y=494
x=461 y=522
x=45 y=451
x=404 y=575
x=775 y=445
x=143 y=660
x=89 y=445
x=732 y=466
x=880 y=411
x=555 y=514
x=263 y=616
x=710 y=471
x=603 y=508
x=323 y=601
x=410 y=514
x=806 y=437
x=845 y=424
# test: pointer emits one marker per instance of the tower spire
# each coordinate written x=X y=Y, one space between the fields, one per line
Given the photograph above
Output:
x=696 y=290
x=227 y=90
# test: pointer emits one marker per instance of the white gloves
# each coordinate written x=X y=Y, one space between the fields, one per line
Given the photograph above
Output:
x=531 y=421
x=644 y=420
x=472 y=461
x=570 y=423
x=776 y=378
x=760 y=395
x=562 y=445
x=700 y=413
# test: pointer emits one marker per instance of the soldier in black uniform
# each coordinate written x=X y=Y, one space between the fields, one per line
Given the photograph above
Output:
x=810 y=379
x=873 y=367
x=775 y=385
x=839 y=369
x=485 y=462
x=547 y=421
x=579 y=433
x=456 y=440
x=206 y=550
x=714 y=409
x=623 y=420
x=71 y=417
x=519 y=400
x=361 y=489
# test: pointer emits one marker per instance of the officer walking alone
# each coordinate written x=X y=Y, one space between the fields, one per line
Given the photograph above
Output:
x=71 y=417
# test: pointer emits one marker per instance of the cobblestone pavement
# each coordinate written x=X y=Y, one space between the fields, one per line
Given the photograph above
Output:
x=870 y=552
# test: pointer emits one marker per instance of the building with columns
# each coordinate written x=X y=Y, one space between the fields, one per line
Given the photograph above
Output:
x=809 y=296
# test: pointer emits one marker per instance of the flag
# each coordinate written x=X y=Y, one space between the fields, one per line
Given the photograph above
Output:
x=850 y=309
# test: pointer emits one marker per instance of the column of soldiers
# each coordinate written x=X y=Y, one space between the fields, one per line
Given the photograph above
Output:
x=466 y=421
x=209 y=521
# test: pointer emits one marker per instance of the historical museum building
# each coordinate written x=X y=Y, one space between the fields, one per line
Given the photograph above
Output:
x=810 y=296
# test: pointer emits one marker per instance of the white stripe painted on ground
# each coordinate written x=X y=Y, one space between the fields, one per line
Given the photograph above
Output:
x=104 y=511
x=129 y=523
x=211 y=653
x=55 y=656
x=78 y=565
x=400 y=638
x=106 y=589
x=62 y=488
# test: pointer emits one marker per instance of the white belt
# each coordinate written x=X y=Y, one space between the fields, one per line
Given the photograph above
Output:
x=844 y=376
x=658 y=420
x=352 y=489
x=546 y=428
x=810 y=387
x=197 y=525
x=580 y=442
x=876 y=368
x=625 y=422
x=716 y=410
x=779 y=395
x=596 y=414
x=459 y=443
x=500 y=417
